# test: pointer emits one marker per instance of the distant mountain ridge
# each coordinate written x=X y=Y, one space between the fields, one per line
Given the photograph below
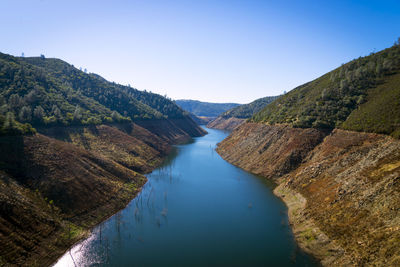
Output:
x=232 y=118
x=205 y=109
x=248 y=110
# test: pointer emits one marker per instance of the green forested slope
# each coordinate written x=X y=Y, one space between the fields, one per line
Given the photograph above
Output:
x=248 y=110
x=42 y=91
x=364 y=90
x=381 y=112
x=77 y=78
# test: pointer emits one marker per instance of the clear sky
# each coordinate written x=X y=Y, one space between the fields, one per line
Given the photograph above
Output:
x=216 y=51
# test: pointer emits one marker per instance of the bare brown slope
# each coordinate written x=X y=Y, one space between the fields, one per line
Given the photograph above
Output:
x=270 y=151
x=351 y=183
x=342 y=191
x=51 y=193
x=72 y=178
x=128 y=144
x=173 y=130
x=228 y=124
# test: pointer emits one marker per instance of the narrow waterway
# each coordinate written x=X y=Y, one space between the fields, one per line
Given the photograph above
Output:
x=195 y=210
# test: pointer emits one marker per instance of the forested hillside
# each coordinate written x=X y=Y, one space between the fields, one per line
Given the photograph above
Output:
x=353 y=96
x=39 y=91
x=248 y=110
x=205 y=109
x=234 y=117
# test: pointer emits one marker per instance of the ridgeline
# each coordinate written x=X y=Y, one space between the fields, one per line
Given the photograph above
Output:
x=205 y=109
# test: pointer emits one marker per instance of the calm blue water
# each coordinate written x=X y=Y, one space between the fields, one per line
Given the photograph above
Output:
x=195 y=210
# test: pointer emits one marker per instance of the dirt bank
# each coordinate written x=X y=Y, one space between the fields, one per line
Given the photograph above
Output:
x=58 y=184
x=228 y=124
x=342 y=188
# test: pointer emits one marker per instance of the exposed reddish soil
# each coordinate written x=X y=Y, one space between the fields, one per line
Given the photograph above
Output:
x=49 y=186
x=343 y=191
x=56 y=185
x=270 y=151
x=128 y=144
x=228 y=124
x=173 y=130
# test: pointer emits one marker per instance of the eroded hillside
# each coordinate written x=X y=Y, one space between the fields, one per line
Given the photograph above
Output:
x=225 y=123
x=350 y=183
x=52 y=192
x=342 y=187
x=55 y=187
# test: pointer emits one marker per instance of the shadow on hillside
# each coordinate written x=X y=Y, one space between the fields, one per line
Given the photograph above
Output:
x=12 y=157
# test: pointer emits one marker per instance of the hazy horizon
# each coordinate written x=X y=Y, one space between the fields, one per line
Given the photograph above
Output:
x=212 y=51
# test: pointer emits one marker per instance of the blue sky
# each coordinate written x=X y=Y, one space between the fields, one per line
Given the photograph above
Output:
x=216 y=51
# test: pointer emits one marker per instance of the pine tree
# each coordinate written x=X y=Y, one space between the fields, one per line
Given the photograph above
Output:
x=115 y=116
x=14 y=101
x=39 y=113
x=9 y=121
x=25 y=114
x=3 y=109
x=77 y=113
x=56 y=112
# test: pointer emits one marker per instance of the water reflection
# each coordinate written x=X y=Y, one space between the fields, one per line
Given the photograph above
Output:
x=197 y=210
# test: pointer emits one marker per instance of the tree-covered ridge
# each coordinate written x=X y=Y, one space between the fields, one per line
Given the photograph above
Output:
x=77 y=78
x=248 y=110
x=205 y=109
x=328 y=101
x=42 y=91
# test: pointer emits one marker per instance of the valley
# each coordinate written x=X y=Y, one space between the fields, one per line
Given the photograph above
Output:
x=196 y=209
x=94 y=172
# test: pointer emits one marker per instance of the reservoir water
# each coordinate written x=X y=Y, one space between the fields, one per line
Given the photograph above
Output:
x=195 y=210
